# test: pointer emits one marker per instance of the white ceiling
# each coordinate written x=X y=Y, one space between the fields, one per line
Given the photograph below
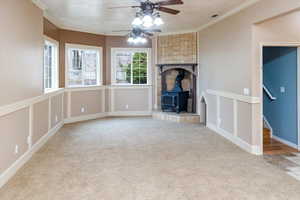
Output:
x=95 y=16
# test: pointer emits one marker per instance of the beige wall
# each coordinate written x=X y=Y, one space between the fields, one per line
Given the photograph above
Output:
x=226 y=114
x=40 y=120
x=27 y=124
x=229 y=60
x=21 y=53
x=26 y=119
x=14 y=131
x=56 y=110
x=130 y=100
x=91 y=101
x=211 y=101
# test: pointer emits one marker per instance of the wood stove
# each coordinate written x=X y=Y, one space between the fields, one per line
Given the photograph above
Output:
x=176 y=99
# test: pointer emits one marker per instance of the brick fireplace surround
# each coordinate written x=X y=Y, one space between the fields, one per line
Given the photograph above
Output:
x=177 y=51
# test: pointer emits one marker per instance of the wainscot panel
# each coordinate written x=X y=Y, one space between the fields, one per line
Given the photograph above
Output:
x=40 y=120
x=226 y=114
x=14 y=133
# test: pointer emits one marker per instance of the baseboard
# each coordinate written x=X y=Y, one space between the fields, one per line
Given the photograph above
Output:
x=285 y=142
x=129 y=113
x=107 y=114
x=237 y=141
x=85 y=118
x=12 y=170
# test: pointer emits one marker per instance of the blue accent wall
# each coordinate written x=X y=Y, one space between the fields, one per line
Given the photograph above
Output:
x=280 y=70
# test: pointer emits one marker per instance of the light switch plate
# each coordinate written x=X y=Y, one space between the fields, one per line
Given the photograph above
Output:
x=16 y=149
x=282 y=89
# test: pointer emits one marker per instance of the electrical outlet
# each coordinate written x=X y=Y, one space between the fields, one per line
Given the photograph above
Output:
x=127 y=106
x=56 y=118
x=246 y=91
x=82 y=109
x=16 y=149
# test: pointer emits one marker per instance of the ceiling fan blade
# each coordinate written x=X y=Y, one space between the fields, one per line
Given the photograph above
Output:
x=148 y=34
x=169 y=2
x=153 y=30
x=168 y=10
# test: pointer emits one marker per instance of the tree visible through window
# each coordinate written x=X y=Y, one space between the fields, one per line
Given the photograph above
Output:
x=131 y=67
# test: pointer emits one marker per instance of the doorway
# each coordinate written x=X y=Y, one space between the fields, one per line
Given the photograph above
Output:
x=280 y=99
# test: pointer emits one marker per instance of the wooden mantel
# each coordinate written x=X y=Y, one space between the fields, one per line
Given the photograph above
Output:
x=191 y=67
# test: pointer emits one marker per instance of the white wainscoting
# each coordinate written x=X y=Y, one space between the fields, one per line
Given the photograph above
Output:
x=29 y=103
x=112 y=112
x=233 y=136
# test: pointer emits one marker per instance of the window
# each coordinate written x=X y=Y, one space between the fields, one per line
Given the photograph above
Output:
x=83 y=66
x=130 y=66
x=50 y=64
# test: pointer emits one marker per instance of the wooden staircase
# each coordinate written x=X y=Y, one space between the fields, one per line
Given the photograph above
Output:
x=267 y=136
x=274 y=147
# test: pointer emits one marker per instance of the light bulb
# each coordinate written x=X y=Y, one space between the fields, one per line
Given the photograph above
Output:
x=147 y=21
x=135 y=40
x=139 y=39
x=130 y=40
x=144 y=40
x=137 y=21
x=158 y=21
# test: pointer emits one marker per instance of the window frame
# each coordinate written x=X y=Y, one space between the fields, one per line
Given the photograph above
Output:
x=99 y=68
x=55 y=78
x=114 y=51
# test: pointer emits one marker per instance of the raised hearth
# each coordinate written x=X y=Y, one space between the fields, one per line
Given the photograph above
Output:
x=174 y=117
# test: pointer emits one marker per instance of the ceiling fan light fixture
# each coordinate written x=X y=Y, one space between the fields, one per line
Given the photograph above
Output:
x=137 y=21
x=147 y=21
x=158 y=21
x=144 y=40
x=130 y=39
x=136 y=41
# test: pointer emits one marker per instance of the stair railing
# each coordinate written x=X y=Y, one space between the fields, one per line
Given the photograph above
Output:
x=269 y=93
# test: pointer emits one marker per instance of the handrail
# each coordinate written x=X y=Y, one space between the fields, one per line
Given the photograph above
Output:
x=269 y=93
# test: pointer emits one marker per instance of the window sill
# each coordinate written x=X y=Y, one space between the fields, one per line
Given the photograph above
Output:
x=52 y=90
x=129 y=85
x=79 y=88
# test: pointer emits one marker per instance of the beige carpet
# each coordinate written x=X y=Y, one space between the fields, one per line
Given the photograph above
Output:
x=145 y=159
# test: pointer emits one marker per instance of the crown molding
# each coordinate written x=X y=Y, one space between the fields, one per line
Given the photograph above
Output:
x=59 y=23
x=39 y=4
x=228 y=14
x=178 y=32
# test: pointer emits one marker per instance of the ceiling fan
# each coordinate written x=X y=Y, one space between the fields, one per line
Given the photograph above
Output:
x=139 y=35
x=148 y=7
